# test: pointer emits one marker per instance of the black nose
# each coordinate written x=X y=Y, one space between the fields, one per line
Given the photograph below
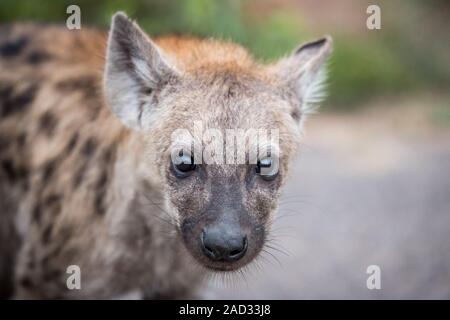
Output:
x=220 y=243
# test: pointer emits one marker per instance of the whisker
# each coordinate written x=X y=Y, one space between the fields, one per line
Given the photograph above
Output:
x=280 y=250
x=273 y=256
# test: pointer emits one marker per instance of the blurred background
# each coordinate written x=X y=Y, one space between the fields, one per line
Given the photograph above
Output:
x=372 y=181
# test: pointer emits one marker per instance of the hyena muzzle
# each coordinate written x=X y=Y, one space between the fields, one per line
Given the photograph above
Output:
x=139 y=167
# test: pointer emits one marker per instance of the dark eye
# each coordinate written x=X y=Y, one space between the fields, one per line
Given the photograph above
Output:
x=184 y=165
x=267 y=169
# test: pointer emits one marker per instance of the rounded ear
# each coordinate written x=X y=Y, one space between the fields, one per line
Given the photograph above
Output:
x=303 y=73
x=135 y=69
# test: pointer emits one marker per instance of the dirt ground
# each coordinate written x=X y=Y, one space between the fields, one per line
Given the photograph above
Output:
x=368 y=189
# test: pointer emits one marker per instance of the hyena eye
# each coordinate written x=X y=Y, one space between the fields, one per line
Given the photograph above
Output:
x=184 y=165
x=267 y=168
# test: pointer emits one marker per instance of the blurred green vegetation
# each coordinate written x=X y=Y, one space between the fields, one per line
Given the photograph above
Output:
x=400 y=58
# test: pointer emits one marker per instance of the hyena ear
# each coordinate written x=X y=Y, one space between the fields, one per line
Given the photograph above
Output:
x=303 y=75
x=135 y=70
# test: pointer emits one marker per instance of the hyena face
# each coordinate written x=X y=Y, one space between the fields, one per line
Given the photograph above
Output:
x=219 y=131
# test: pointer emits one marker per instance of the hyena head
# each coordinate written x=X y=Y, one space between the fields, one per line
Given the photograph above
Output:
x=219 y=131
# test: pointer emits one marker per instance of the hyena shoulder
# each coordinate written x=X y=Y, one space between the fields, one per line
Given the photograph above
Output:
x=57 y=143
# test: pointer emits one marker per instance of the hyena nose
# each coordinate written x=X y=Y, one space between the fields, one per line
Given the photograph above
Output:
x=220 y=243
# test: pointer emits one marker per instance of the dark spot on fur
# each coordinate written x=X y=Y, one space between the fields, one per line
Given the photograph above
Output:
x=46 y=234
x=107 y=159
x=88 y=84
x=47 y=123
x=65 y=233
x=52 y=204
x=52 y=199
x=4 y=142
x=13 y=172
x=48 y=170
x=89 y=147
x=26 y=282
x=37 y=213
x=72 y=143
x=26 y=185
x=52 y=275
x=17 y=103
x=45 y=260
x=109 y=154
x=38 y=57
x=100 y=189
x=78 y=177
x=21 y=139
x=99 y=205
x=5 y=91
x=101 y=183
x=22 y=172
x=31 y=264
x=13 y=47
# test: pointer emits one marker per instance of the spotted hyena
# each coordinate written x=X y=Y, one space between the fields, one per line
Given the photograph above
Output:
x=87 y=173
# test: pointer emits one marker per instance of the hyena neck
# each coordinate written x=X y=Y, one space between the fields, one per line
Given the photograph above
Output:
x=138 y=199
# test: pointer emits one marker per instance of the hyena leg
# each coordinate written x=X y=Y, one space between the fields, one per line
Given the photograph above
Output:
x=9 y=241
x=27 y=281
x=39 y=273
x=37 y=276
